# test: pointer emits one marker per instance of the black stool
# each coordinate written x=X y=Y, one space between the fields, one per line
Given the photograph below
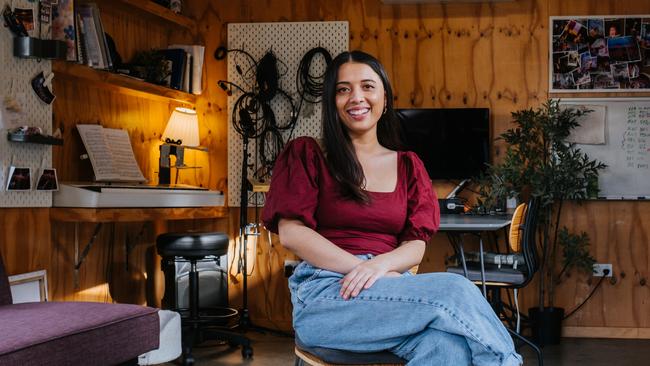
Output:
x=319 y=356
x=199 y=324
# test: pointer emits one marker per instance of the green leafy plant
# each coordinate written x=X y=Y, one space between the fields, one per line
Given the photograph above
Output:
x=151 y=66
x=539 y=162
x=575 y=251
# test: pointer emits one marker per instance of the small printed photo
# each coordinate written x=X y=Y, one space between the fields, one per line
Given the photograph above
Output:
x=620 y=72
x=599 y=48
x=562 y=46
x=644 y=41
x=633 y=70
x=563 y=81
x=581 y=78
x=603 y=64
x=47 y=180
x=614 y=27
x=582 y=47
x=585 y=62
x=632 y=27
x=641 y=82
x=573 y=59
x=26 y=16
x=602 y=80
x=593 y=65
x=19 y=179
x=558 y=26
x=623 y=49
x=575 y=31
x=557 y=62
x=596 y=29
x=561 y=63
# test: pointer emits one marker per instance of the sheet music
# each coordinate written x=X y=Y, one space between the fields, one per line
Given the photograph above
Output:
x=124 y=162
x=111 y=154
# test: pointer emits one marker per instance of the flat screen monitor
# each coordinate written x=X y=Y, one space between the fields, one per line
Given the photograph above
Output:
x=453 y=143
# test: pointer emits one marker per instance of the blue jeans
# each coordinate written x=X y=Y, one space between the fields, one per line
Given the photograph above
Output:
x=427 y=319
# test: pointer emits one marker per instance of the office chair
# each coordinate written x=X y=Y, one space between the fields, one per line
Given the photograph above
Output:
x=513 y=270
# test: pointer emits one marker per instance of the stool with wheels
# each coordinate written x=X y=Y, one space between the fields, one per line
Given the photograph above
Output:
x=199 y=324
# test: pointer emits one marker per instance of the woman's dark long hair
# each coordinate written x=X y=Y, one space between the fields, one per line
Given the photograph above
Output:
x=342 y=159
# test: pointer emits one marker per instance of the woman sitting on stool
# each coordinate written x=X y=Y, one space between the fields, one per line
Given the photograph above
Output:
x=359 y=213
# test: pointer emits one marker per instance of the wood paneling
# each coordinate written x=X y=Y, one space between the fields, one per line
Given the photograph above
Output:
x=476 y=55
x=25 y=239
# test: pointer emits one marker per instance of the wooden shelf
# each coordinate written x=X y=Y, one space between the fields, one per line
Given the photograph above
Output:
x=73 y=214
x=158 y=11
x=120 y=83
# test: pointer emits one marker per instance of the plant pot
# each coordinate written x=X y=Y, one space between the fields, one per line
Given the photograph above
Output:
x=546 y=325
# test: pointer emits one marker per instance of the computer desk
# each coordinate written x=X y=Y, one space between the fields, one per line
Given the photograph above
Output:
x=455 y=226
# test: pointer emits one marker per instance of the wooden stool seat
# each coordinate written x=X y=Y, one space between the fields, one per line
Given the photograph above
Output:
x=319 y=356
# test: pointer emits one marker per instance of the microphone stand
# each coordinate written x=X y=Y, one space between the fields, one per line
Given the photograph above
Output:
x=244 y=319
x=245 y=322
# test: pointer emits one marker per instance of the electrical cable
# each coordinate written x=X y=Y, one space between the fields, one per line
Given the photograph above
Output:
x=308 y=86
x=246 y=118
x=516 y=295
x=588 y=297
x=270 y=143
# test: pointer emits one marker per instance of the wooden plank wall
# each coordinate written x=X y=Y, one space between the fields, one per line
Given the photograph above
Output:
x=461 y=55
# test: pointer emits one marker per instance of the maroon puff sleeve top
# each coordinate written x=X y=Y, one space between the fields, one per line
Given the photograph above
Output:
x=303 y=188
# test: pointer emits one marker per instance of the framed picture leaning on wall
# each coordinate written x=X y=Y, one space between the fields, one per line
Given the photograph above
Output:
x=599 y=53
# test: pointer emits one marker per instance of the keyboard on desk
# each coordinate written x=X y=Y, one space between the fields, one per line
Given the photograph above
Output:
x=134 y=195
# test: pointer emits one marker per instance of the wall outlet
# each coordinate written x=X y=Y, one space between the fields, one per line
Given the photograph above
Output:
x=289 y=267
x=599 y=269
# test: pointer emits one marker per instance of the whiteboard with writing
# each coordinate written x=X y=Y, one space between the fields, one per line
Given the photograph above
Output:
x=626 y=147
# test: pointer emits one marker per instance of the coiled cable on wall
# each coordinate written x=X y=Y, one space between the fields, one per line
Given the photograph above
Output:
x=308 y=86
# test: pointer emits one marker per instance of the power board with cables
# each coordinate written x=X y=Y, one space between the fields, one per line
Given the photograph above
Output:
x=274 y=76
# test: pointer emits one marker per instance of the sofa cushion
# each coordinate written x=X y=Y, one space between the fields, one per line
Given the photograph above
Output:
x=76 y=333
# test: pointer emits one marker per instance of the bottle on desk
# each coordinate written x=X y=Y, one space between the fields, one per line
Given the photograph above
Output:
x=511 y=205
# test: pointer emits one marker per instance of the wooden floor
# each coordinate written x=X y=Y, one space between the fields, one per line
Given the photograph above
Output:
x=275 y=350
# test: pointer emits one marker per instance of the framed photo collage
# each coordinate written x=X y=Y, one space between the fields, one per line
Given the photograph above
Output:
x=600 y=54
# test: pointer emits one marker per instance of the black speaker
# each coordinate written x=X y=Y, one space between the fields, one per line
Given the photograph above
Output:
x=213 y=282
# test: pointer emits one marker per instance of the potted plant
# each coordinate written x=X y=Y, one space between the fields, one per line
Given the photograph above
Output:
x=539 y=162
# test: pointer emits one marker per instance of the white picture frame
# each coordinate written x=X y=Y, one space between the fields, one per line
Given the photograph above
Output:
x=29 y=287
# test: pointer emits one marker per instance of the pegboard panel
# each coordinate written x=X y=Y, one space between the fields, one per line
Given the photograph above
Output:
x=19 y=106
x=289 y=42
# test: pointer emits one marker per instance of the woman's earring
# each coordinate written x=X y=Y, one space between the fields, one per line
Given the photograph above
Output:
x=385 y=108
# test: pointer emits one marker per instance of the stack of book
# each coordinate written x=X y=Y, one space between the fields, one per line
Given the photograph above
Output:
x=92 y=48
x=186 y=67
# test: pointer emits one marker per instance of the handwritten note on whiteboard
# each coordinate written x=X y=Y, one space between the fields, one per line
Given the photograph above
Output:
x=635 y=141
x=626 y=150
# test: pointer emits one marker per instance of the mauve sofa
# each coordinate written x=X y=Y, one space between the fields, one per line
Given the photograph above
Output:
x=73 y=333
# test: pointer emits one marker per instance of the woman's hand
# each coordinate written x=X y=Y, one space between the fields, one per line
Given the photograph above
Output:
x=363 y=276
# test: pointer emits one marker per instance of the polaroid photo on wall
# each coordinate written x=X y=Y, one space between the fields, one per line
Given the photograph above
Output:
x=20 y=179
x=47 y=180
x=614 y=27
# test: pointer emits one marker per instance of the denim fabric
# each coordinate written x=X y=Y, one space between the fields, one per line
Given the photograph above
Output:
x=428 y=319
